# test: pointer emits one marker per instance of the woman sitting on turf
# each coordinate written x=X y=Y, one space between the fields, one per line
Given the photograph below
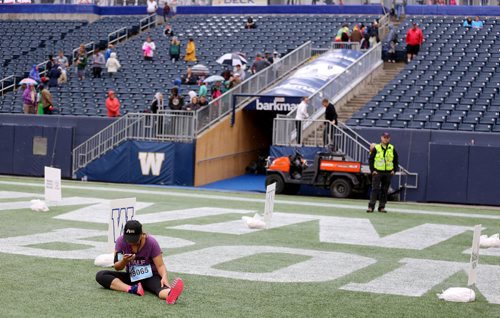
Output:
x=141 y=255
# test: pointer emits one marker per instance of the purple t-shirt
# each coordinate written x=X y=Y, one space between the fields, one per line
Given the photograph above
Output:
x=145 y=255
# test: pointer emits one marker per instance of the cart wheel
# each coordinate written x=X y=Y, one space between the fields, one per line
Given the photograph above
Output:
x=275 y=178
x=341 y=188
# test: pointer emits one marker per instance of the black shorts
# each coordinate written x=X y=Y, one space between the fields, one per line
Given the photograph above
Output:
x=152 y=284
x=412 y=49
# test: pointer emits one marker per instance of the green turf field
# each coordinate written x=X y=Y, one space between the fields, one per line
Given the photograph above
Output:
x=321 y=257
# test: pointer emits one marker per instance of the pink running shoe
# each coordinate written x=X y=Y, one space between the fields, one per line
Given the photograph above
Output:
x=136 y=289
x=175 y=291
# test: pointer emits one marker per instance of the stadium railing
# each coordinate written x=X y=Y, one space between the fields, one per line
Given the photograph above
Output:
x=220 y=107
x=165 y=126
x=341 y=137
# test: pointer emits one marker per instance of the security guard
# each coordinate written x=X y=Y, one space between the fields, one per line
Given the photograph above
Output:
x=383 y=163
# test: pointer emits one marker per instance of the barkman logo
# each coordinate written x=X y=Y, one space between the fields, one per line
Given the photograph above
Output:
x=151 y=162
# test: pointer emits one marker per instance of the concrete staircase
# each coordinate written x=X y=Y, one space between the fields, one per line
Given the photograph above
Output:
x=390 y=70
x=370 y=90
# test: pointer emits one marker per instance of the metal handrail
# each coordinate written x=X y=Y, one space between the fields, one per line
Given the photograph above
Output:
x=75 y=51
x=118 y=37
x=221 y=106
x=150 y=21
x=165 y=126
x=4 y=88
x=341 y=137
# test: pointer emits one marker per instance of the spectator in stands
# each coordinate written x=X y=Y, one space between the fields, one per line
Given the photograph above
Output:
x=193 y=105
x=175 y=100
x=239 y=72
x=259 y=64
x=148 y=49
x=152 y=7
x=356 y=35
x=191 y=94
x=468 y=23
x=331 y=118
x=477 y=24
x=392 y=49
x=157 y=103
x=190 y=51
x=203 y=89
x=276 y=56
x=63 y=63
x=175 y=49
x=45 y=100
x=343 y=34
x=269 y=57
x=112 y=64
x=250 y=24
x=203 y=101
x=226 y=74
x=54 y=75
x=34 y=73
x=81 y=62
x=29 y=99
x=98 y=62
x=216 y=90
x=109 y=50
x=400 y=8
x=301 y=114
x=50 y=63
x=112 y=104
x=168 y=32
x=189 y=78
x=373 y=33
x=166 y=12
x=414 y=38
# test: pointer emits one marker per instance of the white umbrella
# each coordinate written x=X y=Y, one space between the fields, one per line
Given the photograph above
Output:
x=200 y=70
x=232 y=59
x=28 y=81
x=214 y=78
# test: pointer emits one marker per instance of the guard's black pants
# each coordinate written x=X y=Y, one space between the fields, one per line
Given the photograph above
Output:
x=380 y=186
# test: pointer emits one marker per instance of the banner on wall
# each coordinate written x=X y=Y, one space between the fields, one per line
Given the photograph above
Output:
x=144 y=163
x=282 y=104
x=239 y=2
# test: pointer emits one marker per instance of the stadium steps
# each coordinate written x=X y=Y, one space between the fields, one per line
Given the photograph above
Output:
x=370 y=91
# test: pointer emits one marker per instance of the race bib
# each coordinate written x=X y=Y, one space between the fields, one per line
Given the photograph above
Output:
x=140 y=272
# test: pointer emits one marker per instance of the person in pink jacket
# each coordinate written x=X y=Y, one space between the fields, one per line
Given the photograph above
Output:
x=113 y=105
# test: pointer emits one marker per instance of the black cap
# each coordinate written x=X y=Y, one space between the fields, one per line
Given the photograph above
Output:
x=386 y=134
x=132 y=231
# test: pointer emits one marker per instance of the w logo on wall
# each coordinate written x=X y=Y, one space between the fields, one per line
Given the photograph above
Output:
x=151 y=162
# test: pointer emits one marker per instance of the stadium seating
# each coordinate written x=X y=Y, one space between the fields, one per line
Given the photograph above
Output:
x=138 y=80
x=453 y=84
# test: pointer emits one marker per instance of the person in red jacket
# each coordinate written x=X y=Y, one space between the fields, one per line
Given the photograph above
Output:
x=414 y=38
x=113 y=105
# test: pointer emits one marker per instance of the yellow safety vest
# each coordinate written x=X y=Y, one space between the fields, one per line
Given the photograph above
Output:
x=381 y=162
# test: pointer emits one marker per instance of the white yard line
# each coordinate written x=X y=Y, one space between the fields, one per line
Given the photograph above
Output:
x=241 y=199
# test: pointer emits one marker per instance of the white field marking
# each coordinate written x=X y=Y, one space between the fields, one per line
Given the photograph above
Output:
x=323 y=266
x=238 y=227
x=417 y=276
x=19 y=244
x=492 y=251
x=241 y=199
x=100 y=214
x=18 y=195
x=359 y=231
x=65 y=202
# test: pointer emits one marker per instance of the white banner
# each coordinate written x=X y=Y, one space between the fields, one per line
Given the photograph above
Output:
x=121 y=210
x=52 y=185
x=269 y=207
x=474 y=256
x=239 y=2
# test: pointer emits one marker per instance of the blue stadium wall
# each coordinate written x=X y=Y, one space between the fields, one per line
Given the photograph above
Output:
x=123 y=164
x=452 y=167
